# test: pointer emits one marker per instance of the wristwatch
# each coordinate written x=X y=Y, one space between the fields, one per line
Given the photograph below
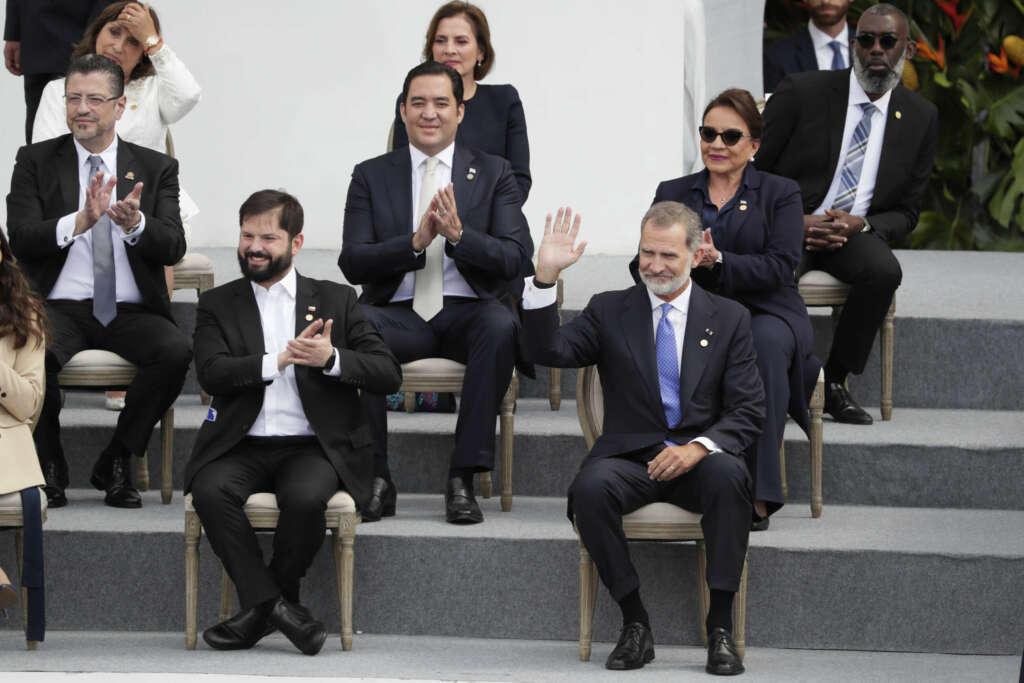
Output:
x=330 y=361
x=151 y=43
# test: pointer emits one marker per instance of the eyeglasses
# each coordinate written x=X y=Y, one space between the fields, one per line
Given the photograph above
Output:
x=867 y=40
x=729 y=137
x=91 y=101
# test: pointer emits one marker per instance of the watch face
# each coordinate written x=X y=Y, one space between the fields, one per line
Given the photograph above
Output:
x=152 y=41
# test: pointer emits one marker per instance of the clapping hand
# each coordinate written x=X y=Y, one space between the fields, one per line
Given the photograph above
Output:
x=313 y=345
x=558 y=249
x=97 y=199
x=125 y=212
x=706 y=255
x=446 y=214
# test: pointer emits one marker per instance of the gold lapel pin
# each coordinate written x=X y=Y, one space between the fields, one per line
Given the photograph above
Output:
x=703 y=342
x=311 y=310
x=743 y=205
x=471 y=174
x=707 y=331
x=129 y=176
x=899 y=114
x=309 y=317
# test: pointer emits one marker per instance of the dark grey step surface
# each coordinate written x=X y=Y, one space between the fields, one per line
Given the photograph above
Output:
x=921 y=458
x=860 y=578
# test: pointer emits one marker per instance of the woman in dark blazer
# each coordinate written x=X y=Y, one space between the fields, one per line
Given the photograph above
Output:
x=494 y=122
x=752 y=239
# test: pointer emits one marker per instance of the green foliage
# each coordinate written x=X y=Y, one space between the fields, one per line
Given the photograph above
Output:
x=975 y=199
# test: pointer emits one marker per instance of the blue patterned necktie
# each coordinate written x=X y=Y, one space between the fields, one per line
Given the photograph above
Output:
x=850 y=177
x=668 y=368
x=104 y=287
x=837 y=56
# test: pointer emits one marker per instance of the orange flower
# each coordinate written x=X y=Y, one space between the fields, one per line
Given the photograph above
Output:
x=949 y=8
x=1000 y=64
x=938 y=56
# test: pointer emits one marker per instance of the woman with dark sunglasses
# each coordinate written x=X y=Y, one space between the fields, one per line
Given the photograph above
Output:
x=751 y=247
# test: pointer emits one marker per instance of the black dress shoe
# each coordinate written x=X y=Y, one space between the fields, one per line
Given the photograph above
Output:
x=114 y=475
x=760 y=524
x=55 y=485
x=298 y=626
x=240 y=632
x=723 y=660
x=841 y=406
x=459 y=503
x=383 y=500
x=634 y=649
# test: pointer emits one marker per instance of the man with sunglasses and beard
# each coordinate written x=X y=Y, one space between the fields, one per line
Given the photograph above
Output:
x=861 y=146
x=283 y=357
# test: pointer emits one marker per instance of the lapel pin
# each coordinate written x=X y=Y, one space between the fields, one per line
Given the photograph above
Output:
x=707 y=331
x=135 y=106
x=309 y=317
x=311 y=310
x=471 y=174
x=129 y=176
x=743 y=205
x=703 y=342
x=899 y=114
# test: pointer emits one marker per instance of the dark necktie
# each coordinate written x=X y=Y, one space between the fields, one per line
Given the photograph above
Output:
x=837 y=56
x=104 y=289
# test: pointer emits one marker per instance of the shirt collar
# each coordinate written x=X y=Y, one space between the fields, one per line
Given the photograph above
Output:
x=820 y=39
x=701 y=184
x=681 y=303
x=109 y=155
x=858 y=96
x=286 y=285
x=446 y=156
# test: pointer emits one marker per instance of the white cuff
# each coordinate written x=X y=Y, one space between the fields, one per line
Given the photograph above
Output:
x=132 y=237
x=66 y=230
x=535 y=297
x=269 y=367
x=706 y=443
x=335 y=370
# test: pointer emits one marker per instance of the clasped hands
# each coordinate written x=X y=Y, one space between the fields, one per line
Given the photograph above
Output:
x=829 y=232
x=125 y=212
x=312 y=347
x=440 y=218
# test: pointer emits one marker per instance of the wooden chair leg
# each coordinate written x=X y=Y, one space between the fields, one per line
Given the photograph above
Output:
x=886 y=341
x=703 y=592
x=816 y=444
x=588 y=598
x=142 y=473
x=782 y=471
x=204 y=398
x=167 y=455
x=555 y=389
x=508 y=404
x=192 y=532
x=344 y=558
x=227 y=588
x=410 y=401
x=739 y=614
x=486 y=484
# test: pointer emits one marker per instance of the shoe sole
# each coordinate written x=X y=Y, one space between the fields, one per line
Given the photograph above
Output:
x=724 y=671
x=647 y=659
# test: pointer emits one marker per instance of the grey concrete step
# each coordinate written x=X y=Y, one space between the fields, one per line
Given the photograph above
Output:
x=421 y=658
x=925 y=458
x=859 y=578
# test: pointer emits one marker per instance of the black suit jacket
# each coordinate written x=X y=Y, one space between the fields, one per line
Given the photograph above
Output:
x=48 y=29
x=803 y=137
x=44 y=187
x=761 y=248
x=793 y=54
x=376 y=252
x=720 y=388
x=229 y=354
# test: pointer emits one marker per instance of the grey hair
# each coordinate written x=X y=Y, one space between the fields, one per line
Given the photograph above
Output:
x=884 y=8
x=667 y=214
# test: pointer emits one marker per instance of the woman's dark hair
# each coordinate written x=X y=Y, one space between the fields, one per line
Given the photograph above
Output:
x=22 y=313
x=741 y=102
x=87 y=45
x=481 y=31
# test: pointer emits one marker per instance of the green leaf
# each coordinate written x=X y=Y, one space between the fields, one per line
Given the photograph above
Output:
x=1006 y=115
x=940 y=79
x=1006 y=204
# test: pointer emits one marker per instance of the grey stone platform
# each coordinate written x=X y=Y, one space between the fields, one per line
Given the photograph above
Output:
x=376 y=657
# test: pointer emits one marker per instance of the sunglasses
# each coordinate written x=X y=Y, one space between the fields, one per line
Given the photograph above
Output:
x=886 y=40
x=729 y=137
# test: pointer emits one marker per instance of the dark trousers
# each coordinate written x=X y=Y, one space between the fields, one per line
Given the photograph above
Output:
x=608 y=488
x=34 y=84
x=298 y=472
x=478 y=333
x=150 y=341
x=775 y=346
x=867 y=264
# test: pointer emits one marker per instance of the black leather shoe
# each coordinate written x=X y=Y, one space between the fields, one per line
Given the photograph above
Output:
x=55 y=484
x=460 y=505
x=634 y=649
x=298 y=626
x=760 y=524
x=383 y=500
x=841 y=406
x=240 y=632
x=723 y=660
x=114 y=475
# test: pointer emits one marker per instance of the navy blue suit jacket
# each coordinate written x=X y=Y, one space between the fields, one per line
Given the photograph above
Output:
x=794 y=54
x=761 y=248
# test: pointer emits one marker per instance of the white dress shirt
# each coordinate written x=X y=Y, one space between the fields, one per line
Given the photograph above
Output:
x=454 y=283
x=75 y=281
x=536 y=297
x=281 y=413
x=872 y=154
x=823 y=51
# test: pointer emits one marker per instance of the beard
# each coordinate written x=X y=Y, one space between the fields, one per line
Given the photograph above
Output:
x=662 y=287
x=273 y=267
x=878 y=83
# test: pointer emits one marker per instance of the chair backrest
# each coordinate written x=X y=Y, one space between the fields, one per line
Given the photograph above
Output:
x=391 y=138
x=590 y=403
x=169 y=144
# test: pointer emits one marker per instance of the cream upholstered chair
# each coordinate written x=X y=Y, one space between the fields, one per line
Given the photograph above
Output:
x=441 y=374
x=97 y=369
x=11 y=517
x=818 y=288
x=817 y=405
x=657 y=521
x=262 y=511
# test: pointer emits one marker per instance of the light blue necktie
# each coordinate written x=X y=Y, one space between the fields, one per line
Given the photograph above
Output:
x=837 y=56
x=668 y=368
x=104 y=287
x=850 y=177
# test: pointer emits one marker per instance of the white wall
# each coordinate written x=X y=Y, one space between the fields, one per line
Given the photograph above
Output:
x=296 y=94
